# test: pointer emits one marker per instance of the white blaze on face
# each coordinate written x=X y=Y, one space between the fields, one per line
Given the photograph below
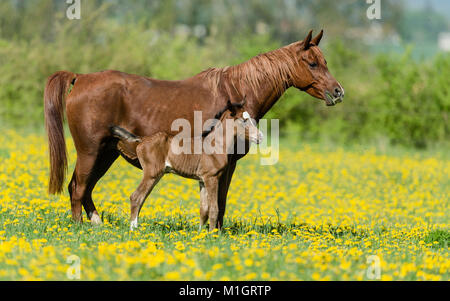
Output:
x=255 y=133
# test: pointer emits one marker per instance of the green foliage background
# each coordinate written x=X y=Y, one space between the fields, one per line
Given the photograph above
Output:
x=390 y=97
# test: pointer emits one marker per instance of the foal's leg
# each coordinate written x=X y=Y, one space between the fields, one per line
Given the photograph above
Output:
x=138 y=197
x=152 y=158
x=211 y=185
x=204 y=207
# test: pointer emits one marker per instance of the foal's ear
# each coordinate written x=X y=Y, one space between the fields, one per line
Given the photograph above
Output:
x=316 y=39
x=229 y=105
x=244 y=101
x=307 y=41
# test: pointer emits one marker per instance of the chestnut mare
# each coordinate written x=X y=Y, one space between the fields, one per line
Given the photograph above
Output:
x=145 y=106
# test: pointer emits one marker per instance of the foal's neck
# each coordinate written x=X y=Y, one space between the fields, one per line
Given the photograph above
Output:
x=222 y=137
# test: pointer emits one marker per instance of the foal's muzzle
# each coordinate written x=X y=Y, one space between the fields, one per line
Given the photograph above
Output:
x=258 y=139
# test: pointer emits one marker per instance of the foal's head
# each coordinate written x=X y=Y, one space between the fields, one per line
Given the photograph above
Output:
x=244 y=126
x=312 y=75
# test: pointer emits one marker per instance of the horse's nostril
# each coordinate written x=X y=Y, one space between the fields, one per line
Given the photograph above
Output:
x=337 y=92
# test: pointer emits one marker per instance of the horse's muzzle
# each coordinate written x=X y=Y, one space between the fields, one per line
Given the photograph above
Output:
x=331 y=100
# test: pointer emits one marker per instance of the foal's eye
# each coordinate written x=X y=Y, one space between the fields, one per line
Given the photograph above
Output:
x=313 y=64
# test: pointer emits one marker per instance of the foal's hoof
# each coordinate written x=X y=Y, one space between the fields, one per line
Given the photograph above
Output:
x=96 y=220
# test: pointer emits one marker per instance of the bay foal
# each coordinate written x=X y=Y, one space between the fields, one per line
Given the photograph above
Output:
x=161 y=153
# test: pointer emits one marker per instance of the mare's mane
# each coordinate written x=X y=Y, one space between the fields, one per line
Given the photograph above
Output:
x=279 y=66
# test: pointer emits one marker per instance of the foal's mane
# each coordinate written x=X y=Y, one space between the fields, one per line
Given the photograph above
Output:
x=276 y=68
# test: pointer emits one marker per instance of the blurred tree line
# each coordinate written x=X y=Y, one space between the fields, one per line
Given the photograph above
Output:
x=388 y=96
x=282 y=19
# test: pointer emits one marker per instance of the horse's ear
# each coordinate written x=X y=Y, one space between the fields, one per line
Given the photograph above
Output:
x=307 y=41
x=316 y=39
x=231 y=108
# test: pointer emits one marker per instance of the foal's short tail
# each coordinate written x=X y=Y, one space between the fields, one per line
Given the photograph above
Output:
x=123 y=134
x=128 y=142
x=57 y=87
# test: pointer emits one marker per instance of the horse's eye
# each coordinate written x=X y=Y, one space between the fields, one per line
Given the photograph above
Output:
x=313 y=64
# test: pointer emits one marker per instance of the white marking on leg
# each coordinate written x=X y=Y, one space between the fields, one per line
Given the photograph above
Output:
x=134 y=224
x=95 y=219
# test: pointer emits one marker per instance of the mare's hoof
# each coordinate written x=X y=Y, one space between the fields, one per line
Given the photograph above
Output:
x=95 y=219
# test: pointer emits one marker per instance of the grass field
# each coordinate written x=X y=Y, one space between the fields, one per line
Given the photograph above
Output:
x=319 y=214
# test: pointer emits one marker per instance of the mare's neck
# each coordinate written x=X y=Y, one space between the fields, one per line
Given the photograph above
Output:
x=262 y=80
x=259 y=105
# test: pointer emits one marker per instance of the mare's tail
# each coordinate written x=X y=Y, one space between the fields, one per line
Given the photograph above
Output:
x=56 y=88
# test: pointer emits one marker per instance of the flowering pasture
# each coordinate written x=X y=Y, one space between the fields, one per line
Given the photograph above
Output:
x=315 y=215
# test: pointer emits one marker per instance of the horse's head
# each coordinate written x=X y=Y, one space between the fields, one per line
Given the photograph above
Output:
x=312 y=75
x=244 y=125
x=247 y=128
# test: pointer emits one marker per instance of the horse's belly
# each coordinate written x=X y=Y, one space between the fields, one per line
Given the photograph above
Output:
x=188 y=175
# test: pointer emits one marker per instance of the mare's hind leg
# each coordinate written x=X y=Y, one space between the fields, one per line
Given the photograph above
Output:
x=88 y=170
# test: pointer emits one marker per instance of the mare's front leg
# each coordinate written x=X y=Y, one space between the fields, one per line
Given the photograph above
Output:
x=204 y=206
x=224 y=184
x=211 y=185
